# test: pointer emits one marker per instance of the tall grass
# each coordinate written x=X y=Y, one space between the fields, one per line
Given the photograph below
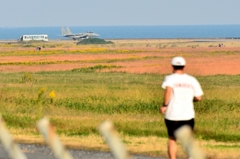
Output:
x=77 y=102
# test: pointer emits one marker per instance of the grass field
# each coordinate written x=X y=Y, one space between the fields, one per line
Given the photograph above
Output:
x=78 y=87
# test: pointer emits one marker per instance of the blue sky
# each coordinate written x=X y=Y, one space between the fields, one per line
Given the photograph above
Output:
x=31 y=13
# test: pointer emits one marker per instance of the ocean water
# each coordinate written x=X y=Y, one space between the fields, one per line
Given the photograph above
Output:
x=130 y=32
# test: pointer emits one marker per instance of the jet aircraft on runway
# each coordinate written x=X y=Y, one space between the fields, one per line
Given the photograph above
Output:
x=79 y=36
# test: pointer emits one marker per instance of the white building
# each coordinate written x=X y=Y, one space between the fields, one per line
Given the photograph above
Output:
x=41 y=37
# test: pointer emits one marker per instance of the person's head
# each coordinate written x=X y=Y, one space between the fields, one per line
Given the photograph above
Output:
x=178 y=63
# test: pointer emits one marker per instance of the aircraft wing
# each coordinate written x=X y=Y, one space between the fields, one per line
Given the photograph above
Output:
x=79 y=37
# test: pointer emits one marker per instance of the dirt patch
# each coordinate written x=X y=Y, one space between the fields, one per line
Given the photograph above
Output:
x=200 y=61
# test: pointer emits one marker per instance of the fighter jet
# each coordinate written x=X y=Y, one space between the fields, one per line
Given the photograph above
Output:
x=79 y=36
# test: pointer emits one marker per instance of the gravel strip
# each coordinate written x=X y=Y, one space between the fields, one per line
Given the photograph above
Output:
x=43 y=152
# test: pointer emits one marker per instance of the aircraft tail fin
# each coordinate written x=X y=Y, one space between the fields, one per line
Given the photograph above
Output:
x=66 y=31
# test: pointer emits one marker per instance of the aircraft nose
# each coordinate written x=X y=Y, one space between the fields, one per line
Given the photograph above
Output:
x=97 y=34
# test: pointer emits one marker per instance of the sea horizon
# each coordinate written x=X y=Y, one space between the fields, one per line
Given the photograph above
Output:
x=130 y=32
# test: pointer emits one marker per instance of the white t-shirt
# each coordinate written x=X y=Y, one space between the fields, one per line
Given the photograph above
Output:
x=185 y=88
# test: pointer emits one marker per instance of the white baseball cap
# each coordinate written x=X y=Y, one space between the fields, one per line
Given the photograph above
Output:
x=178 y=61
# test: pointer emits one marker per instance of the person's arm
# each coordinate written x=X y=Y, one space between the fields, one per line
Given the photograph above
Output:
x=196 y=99
x=167 y=96
x=198 y=92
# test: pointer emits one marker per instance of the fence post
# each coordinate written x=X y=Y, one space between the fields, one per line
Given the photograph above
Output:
x=10 y=147
x=47 y=130
x=184 y=134
x=111 y=137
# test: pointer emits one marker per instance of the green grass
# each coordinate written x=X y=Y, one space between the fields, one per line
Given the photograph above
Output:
x=85 y=98
x=95 y=68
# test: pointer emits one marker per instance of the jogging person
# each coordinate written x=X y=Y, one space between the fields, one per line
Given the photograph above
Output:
x=181 y=90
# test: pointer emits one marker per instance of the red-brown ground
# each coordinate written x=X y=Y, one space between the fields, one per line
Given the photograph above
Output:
x=200 y=61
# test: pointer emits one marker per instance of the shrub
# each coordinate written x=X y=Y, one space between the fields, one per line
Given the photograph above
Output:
x=94 y=41
x=28 y=78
